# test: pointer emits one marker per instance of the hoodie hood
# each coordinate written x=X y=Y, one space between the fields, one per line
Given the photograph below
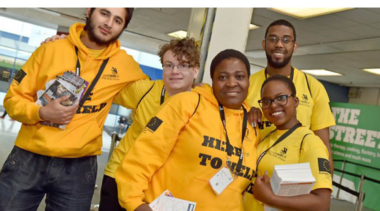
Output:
x=207 y=92
x=74 y=38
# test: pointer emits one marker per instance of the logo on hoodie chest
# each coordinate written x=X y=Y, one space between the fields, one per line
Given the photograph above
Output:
x=111 y=74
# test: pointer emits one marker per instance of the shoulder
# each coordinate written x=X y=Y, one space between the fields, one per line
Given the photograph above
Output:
x=184 y=98
x=60 y=46
x=258 y=76
x=313 y=82
x=310 y=140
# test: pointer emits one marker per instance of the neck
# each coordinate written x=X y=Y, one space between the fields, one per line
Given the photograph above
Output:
x=176 y=91
x=286 y=70
x=91 y=44
x=288 y=125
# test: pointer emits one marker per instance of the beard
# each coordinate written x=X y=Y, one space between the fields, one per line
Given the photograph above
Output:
x=277 y=64
x=90 y=28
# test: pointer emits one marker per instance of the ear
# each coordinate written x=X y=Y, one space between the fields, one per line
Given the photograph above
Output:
x=196 y=72
x=295 y=47
x=297 y=101
x=88 y=12
x=263 y=44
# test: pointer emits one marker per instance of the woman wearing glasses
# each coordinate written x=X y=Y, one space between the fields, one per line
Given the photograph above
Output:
x=290 y=143
x=194 y=137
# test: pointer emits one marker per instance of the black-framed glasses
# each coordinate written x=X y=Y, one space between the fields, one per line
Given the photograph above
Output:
x=280 y=100
x=170 y=66
x=284 y=40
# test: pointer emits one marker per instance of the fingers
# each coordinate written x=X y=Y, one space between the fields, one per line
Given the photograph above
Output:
x=61 y=99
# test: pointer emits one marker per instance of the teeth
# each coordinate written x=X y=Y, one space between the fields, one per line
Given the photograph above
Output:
x=232 y=93
x=277 y=113
x=278 y=54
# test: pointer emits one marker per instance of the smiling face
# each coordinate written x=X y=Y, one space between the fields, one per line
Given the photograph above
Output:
x=284 y=117
x=278 y=53
x=105 y=25
x=177 y=80
x=230 y=83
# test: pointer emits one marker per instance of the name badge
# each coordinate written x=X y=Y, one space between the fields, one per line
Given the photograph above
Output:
x=221 y=180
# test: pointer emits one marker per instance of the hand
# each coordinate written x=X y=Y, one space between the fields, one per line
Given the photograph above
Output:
x=262 y=189
x=254 y=116
x=53 y=38
x=57 y=113
x=143 y=207
x=122 y=125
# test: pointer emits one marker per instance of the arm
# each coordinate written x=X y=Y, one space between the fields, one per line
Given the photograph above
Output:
x=324 y=135
x=322 y=117
x=152 y=148
x=317 y=200
x=131 y=94
x=22 y=94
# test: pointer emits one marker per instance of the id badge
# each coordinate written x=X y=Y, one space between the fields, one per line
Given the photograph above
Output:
x=221 y=180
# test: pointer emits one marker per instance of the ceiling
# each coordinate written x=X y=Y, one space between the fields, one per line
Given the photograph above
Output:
x=344 y=42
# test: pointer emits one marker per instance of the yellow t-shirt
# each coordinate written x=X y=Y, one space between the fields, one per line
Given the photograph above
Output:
x=144 y=98
x=313 y=111
x=298 y=147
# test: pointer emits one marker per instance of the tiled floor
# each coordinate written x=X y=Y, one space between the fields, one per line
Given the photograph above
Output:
x=9 y=130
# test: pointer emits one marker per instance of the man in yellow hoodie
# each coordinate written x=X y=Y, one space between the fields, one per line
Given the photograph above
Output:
x=62 y=163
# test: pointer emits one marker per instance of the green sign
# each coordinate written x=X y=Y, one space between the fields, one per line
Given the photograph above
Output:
x=356 y=138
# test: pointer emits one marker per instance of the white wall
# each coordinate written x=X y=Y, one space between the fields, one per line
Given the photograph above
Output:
x=367 y=96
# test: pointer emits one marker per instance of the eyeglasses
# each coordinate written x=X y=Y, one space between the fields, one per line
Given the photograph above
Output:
x=170 y=66
x=284 y=40
x=281 y=100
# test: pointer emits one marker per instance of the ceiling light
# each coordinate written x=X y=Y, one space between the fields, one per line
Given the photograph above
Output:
x=373 y=70
x=303 y=13
x=322 y=72
x=178 y=34
x=253 y=26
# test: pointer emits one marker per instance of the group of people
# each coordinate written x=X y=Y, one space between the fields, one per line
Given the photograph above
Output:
x=181 y=138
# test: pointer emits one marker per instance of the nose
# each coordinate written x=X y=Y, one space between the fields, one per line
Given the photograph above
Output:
x=109 y=21
x=231 y=82
x=273 y=104
x=175 y=69
x=279 y=44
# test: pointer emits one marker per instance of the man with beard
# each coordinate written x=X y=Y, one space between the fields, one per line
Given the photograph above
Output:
x=62 y=163
x=314 y=109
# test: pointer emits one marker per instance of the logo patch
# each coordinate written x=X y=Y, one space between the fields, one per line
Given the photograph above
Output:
x=304 y=97
x=284 y=151
x=324 y=166
x=154 y=123
x=19 y=76
x=114 y=76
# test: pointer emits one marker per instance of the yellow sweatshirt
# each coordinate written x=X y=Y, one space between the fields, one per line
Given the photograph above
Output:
x=83 y=135
x=144 y=98
x=181 y=149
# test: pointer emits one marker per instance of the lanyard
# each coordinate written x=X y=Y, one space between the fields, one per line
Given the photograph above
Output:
x=229 y=146
x=162 y=95
x=291 y=73
x=285 y=135
x=89 y=90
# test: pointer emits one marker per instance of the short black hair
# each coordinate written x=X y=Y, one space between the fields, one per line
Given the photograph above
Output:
x=228 y=54
x=289 y=83
x=128 y=18
x=282 y=22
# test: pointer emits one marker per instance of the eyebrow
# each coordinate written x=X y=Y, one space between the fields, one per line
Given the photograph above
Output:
x=117 y=17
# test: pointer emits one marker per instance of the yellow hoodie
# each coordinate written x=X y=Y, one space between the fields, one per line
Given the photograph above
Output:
x=181 y=148
x=83 y=135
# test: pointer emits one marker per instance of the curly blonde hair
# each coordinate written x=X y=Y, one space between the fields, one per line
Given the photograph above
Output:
x=185 y=48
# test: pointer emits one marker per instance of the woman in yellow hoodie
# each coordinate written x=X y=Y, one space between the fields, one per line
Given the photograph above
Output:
x=289 y=143
x=193 y=137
